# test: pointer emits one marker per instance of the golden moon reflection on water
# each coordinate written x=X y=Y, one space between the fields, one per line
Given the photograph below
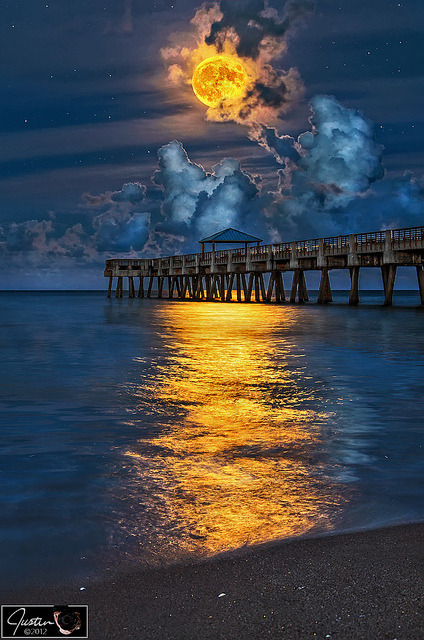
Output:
x=219 y=78
x=232 y=466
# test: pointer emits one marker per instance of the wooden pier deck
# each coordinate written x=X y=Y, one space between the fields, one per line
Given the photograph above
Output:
x=257 y=273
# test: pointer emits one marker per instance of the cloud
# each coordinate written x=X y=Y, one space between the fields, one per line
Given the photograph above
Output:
x=26 y=236
x=390 y=203
x=282 y=147
x=120 y=227
x=132 y=192
x=341 y=149
x=327 y=167
x=331 y=178
x=121 y=232
x=255 y=27
x=198 y=203
x=42 y=239
x=96 y=201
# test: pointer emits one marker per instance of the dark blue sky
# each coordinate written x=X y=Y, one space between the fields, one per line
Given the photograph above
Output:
x=85 y=106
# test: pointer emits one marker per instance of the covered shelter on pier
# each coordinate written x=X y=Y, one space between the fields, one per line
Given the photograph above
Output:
x=229 y=236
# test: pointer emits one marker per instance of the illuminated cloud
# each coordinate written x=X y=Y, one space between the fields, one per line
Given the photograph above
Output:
x=132 y=192
x=197 y=203
x=255 y=35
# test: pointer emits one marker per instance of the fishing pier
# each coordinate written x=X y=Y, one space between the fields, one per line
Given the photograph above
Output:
x=256 y=273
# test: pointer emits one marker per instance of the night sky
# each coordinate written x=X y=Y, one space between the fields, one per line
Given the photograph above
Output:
x=88 y=98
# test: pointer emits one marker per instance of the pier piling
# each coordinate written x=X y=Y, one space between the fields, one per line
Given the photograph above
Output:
x=354 y=286
x=324 y=294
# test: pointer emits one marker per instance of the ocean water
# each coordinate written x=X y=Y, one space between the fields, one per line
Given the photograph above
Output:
x=148 y=431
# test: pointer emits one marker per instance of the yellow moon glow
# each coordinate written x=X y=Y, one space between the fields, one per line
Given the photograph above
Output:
x=219 y=78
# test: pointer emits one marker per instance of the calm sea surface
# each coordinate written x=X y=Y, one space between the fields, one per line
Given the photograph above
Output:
x=148 y=431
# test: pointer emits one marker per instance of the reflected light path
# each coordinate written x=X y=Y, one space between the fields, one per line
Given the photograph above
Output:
x=238 y=456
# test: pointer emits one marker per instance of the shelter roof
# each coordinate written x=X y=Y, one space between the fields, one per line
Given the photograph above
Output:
x=231 y=235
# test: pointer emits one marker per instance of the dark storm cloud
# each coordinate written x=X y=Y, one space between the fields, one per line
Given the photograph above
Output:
x=273 y=90
x=256 y=24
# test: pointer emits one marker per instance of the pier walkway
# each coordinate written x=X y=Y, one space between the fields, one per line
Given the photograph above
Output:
x=256 y=273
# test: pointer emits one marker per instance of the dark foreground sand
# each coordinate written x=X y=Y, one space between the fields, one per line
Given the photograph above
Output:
x=367 y=585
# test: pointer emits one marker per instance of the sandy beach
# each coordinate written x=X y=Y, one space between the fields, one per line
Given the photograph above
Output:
x=361 y=586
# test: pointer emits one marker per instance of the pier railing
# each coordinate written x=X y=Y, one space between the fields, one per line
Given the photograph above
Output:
x=374 y=242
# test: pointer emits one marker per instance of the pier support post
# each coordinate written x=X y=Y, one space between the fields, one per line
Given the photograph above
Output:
x=119 y=287
x=184 y=285
x=160 y=285
x=257 y=294
x=270 y=286
x=195 y=286
x=131 y=290
x=215 y=287
x=248 y=293
x=262 y=286
x=109 y=289
x=324 y=295
x=200 y=293
x=420 y=276
x=279 y=282
x=170 y=286
x=141 y=288
x=230 y=287
x=149 y=288
x=388 y=273
x=299 y=287
x=245 y=287
x=238 y=285
x=354 y=285
x=222 y=288
x=213 y=291
x=294 y=285
x=302 y=291
x=208 y=283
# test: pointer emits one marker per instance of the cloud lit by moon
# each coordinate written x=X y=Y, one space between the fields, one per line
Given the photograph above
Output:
x=219 y=30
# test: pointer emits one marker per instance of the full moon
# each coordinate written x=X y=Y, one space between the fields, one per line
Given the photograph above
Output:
x=219 y=78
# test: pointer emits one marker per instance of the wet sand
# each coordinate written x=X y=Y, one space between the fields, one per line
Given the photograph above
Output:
x=359 y=586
